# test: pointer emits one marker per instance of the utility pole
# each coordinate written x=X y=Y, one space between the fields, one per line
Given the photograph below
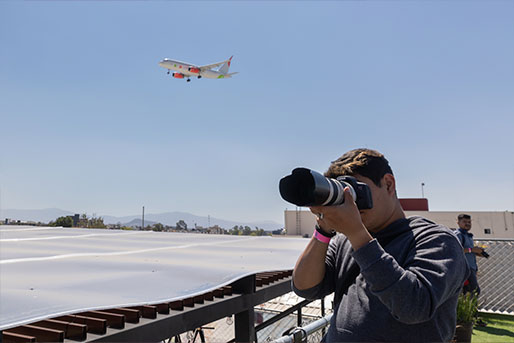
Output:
x=422 y=190
x=143 y=220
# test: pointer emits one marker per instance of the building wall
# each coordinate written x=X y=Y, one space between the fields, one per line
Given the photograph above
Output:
x=501 y=224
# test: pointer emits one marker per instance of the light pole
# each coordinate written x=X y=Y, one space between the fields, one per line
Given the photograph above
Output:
x=422 y=190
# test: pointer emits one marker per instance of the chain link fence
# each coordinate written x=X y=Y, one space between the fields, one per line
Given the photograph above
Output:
x=496 y=276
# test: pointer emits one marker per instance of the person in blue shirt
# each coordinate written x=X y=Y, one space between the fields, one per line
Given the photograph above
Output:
x=470 y=250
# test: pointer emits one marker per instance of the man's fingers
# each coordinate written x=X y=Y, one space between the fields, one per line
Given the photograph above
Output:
x=348 y=195
x=315 y=209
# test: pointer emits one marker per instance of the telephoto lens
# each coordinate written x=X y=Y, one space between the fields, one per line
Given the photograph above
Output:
x=305 y=187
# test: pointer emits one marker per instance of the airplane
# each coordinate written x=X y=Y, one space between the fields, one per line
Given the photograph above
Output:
x=185 y=70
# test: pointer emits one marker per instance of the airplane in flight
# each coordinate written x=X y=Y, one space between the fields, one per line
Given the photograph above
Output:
x=185 y=71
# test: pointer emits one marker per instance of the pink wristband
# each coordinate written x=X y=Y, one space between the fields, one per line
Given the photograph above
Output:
x=321 y=238
x=469 y=249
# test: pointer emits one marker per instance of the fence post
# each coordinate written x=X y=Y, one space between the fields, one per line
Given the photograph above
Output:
x=244 y=321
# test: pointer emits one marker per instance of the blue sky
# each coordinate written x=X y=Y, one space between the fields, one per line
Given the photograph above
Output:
x=90 y=122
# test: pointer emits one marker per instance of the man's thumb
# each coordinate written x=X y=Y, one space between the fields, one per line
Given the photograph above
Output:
x=348 y=194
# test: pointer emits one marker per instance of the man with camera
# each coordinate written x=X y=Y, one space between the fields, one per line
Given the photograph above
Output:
x=395 y=279
x=470 y=250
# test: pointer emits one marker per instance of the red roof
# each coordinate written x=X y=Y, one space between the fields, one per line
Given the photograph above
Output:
x=414 y=204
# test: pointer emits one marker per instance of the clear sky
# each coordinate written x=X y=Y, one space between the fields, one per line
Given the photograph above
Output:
x=90 y=122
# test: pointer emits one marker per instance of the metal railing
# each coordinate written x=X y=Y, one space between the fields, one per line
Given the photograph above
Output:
x=312 y=332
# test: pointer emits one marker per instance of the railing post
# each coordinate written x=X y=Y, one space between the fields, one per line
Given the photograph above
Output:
x=323 y=331
x=299 y=317
x=244 y=321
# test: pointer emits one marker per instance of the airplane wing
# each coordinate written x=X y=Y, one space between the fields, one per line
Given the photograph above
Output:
x=214 y=65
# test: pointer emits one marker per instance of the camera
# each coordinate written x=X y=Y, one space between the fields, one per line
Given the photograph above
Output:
x=305 y=187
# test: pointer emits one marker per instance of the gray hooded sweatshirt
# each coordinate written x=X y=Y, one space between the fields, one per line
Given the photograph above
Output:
x=402 y=286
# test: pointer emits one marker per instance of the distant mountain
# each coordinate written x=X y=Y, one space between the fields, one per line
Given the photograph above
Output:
x=171 y=218
x=137 y=222
x=168 y=218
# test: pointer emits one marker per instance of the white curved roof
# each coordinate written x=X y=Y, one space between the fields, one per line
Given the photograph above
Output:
x=46 y=272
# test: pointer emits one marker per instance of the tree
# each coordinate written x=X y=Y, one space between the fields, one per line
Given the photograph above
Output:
x=96 y=222
x=64 y=221
x=247 y=231
x=259 y=232
x=181 y=225
x=83 y=221
x=158 y=227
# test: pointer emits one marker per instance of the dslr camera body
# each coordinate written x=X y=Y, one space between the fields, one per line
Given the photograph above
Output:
x=305 y=187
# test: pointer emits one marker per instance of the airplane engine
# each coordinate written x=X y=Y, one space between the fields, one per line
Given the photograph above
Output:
x=178 y=75
x=194 y=70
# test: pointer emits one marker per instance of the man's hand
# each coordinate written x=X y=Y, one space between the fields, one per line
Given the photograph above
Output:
x=345 y=219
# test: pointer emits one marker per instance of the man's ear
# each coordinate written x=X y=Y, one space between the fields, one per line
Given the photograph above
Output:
x=389 y=183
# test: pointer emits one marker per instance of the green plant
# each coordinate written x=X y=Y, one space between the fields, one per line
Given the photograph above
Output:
x=467 y=308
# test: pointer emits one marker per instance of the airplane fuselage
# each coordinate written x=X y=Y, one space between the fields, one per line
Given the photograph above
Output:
x=186 y=70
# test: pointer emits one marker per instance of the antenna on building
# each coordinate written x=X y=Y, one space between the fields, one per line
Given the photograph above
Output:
x=422 y=190
x=143 y=219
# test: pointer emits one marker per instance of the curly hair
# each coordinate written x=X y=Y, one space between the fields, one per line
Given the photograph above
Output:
x=365 y=162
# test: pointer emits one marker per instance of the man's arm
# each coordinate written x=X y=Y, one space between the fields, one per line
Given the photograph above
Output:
x=477 y=251
x=315 y=271
x=310 y=267
x=434 y=271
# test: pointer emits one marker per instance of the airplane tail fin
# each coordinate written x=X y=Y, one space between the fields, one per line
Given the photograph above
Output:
x=224 y=68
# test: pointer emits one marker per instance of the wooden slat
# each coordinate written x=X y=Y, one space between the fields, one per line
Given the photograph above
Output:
x=271 y=275
x=163 y=308
x=227 y=290
x=177 y=305
x=131 y=315
x=11 y=337
x=198 y=299
x=189 y=302
x=147 y=311
x=209 y=296
x=262 y=280
x=94 y=325
x=41 y=334
x=114 y=320
x=71 y=330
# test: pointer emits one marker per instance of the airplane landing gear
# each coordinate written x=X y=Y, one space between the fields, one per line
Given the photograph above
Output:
x=199 y=76
x=168 y=72
x=188 y=80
